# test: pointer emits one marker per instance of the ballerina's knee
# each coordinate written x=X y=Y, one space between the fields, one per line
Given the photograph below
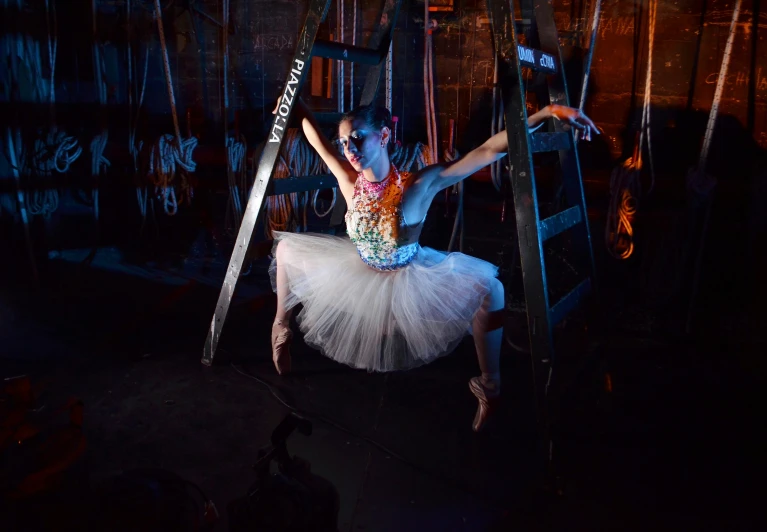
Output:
x=282 y=254
x=495 y=299
x=491 y=315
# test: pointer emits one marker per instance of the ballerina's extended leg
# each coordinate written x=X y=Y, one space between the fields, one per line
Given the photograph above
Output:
x=488 y=334
x=281 y=333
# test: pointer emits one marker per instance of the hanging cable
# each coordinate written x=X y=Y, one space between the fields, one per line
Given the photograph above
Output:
x=13 y=159
x=433 y=114
x=452 y=154
x=55 y=150
x=142 y=192
x=225 y=43
x=351 y=65
x=428 y=84
x=17 y=47
x=169 y=151
x=590 y=54
x=625 y=183
x=698 y=181
x=14 y=150
x=237 y=177
x=496 y=125
x=645 y=128
x=236 y=149
x=53 y=44
x=98 y=161
x=339 y=63
x=460 y=63
x=596 y=19
x=429 y=139
x=389 y=77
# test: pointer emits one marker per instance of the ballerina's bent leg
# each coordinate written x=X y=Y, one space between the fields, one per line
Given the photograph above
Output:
x=281 y=333
x=488 y=335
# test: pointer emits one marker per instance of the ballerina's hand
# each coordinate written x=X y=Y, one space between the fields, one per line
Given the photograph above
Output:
x=299 y=104
x=575 y=118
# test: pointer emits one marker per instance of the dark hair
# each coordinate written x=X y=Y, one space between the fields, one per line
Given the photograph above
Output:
x=375 y=117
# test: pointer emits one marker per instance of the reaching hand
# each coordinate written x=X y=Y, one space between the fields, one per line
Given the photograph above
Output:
x=300 y=106
x=576 y=119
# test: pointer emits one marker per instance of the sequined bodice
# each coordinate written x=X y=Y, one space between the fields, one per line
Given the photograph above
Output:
x=376 y=224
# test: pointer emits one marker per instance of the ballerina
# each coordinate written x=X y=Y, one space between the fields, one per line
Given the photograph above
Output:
x=378 y=300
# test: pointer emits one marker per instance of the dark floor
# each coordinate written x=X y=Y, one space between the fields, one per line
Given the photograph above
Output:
x=657 y=431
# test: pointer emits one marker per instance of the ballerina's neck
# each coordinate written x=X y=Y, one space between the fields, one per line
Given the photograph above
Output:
x=392 y=171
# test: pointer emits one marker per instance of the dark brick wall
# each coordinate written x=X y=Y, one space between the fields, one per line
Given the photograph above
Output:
x=682 y=89
x=263 y=40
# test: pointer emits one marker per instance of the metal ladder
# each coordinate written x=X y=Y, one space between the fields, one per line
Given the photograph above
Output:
x=532 y=231
x=307 y=47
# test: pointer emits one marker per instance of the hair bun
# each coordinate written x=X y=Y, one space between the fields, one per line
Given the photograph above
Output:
x=375 y=117
x=383 y=115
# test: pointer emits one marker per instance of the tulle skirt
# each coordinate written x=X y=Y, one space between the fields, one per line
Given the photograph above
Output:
x=380 y=320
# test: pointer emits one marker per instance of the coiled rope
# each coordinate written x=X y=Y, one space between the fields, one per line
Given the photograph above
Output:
x=54 y=150
x=297 y=158
x=625 y=183
x=237 y=176
x=171 y=155
x=166 y=160
x=142 y=192
x=404 y=157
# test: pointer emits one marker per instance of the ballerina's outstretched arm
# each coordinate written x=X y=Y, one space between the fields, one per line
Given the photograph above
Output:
x=336 y=163
x=432 y=179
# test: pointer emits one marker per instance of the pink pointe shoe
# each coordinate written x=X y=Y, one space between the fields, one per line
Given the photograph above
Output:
x=488 y=394
x=281 y=338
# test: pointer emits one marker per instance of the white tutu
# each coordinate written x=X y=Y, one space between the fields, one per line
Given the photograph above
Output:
x=381 y=320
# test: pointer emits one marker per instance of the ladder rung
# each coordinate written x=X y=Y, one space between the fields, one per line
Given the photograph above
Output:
x=542 y=142
x=569 y=302
x=536 y=60
x=344 y=52
x=292 y=184
x=560 y=222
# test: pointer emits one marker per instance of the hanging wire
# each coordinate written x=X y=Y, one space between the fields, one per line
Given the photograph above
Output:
x=170 y=152
x=351 y=65
x=697 y=179
x=625 y=183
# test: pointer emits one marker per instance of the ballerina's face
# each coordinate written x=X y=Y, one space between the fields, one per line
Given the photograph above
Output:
x=362 y=144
